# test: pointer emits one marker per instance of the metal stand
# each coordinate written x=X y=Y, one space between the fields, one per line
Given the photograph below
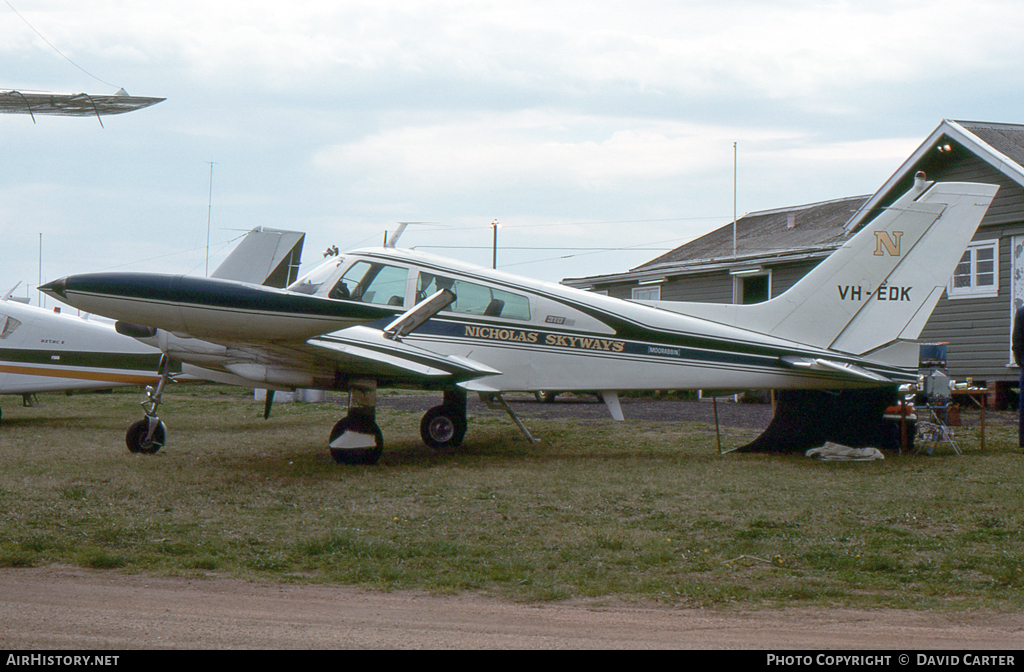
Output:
x=936 y=429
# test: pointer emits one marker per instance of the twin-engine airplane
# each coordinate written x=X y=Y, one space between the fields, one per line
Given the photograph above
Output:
x=388 y=316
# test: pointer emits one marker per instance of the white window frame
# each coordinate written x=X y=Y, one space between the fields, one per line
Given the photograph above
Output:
x=647 y=293
x=974 y=290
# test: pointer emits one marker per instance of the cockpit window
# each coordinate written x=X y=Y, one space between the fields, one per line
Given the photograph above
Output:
x=7 y=325
x=311 y=282
x=474 y=299
x=372 y=283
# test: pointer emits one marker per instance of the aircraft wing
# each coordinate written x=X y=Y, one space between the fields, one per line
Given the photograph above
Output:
x=71 y=104
x=365 y=347
x=355 y=352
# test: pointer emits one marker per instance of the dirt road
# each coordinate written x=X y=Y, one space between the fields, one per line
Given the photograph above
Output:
x=70 y=608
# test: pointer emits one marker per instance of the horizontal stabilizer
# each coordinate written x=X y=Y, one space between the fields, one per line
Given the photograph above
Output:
x=828 y=366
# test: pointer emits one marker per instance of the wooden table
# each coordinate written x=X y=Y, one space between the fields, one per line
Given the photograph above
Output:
x=973 y=393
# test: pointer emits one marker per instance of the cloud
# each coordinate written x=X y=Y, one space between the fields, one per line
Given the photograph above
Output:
x=533 y=147
x=774 y=50
x=347 y=116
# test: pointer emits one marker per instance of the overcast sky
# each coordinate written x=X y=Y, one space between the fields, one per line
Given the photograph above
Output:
x=575 y=124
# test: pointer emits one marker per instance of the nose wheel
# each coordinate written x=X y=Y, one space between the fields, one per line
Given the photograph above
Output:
x=141 y=439
x=148 y=435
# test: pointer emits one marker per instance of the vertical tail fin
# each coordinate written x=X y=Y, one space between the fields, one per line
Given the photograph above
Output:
x=883 y=283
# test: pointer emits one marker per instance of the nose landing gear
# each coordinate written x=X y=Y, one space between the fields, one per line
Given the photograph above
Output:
x=148 y=435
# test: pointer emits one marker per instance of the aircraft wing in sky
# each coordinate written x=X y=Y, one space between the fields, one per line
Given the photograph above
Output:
x=32 y=103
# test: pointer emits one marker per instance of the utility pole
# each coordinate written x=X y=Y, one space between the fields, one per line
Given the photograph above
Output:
x=42 y=297
x=494 y=250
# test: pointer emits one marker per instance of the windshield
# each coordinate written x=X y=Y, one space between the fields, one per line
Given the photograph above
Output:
x=372 y=283
x=7 y=325
x=311 y=281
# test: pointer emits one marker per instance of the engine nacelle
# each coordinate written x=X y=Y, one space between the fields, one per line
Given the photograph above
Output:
x=192 y=350
x=272 y=375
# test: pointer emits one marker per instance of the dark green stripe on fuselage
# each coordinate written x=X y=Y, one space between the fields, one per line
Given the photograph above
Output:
x=95 y=360
x=214 y=293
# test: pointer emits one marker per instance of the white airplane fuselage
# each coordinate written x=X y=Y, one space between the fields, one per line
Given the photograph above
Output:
x=562 y=338
x=43 y=351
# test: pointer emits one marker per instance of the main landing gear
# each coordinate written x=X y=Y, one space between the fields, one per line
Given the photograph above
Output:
x=444 y=427
x=148 y=435
x=357 y=438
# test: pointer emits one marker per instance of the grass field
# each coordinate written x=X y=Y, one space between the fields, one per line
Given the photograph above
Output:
x=634 y=511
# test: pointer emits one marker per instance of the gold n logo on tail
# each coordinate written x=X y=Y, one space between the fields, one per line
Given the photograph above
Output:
x=890 y=244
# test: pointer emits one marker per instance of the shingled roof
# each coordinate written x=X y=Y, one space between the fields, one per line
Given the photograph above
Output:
x=1005 y=138
x=780 y=235
x=999 y=145
x=802 y=227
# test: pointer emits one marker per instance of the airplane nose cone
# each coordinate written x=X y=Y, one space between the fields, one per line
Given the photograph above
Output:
x=55 y=288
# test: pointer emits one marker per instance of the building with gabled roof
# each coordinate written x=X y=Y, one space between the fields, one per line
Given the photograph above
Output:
x=775 y=248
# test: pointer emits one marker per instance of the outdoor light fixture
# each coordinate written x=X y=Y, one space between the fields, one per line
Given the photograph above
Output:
x=746 y=271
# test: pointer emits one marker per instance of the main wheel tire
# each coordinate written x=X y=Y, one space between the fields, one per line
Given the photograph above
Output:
x=136 y=437
x=363 y=425
x=442 y=428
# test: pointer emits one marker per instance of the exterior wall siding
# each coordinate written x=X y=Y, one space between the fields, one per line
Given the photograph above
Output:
x=1009 y=201
x=978 y=329
x=706 y=288
x=784 y=277
x=619 y=291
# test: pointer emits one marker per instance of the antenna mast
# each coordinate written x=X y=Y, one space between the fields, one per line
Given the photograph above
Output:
x=734 y=199
x=209 y=212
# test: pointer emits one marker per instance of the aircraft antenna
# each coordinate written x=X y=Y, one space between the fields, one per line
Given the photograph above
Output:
x=396 y=235
x=209 y=213
x=393 y=239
